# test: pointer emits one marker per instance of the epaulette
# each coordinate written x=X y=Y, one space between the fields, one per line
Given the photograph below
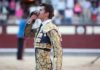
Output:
x=49 y=26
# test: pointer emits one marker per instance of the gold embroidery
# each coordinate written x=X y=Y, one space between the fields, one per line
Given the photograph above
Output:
x=43 y=45
x=38 y=39
x=48 y=27
x=43 y=61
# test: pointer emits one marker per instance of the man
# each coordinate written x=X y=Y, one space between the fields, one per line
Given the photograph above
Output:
x=47 y=37
x=20 y=37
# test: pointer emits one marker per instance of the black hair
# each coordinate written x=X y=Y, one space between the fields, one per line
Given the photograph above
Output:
x=48 y=8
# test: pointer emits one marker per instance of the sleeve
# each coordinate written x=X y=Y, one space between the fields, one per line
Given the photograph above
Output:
x=28 y=32
x=57 y=49
x=31 y=29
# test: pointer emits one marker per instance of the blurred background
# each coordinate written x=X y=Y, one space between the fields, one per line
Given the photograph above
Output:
x=78 y=22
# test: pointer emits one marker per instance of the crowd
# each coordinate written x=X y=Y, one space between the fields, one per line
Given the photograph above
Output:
x=66 y=11
x=10 y=11
x=77 y=11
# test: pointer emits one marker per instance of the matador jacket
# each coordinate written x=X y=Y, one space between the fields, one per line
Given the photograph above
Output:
x=49 y=37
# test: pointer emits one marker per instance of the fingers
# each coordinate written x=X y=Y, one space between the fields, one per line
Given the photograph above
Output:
x=33 y=17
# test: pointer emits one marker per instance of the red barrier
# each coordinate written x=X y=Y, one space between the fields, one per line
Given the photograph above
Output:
x=69 y=41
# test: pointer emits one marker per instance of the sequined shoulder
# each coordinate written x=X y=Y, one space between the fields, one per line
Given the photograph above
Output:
x=49 y=26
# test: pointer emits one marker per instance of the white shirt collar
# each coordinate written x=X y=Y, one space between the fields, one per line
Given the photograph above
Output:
x=46 y=21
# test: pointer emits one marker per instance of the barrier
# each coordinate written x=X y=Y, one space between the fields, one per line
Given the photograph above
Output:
x=74 y=36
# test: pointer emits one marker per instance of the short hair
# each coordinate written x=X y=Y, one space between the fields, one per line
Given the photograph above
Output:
x=48 y=8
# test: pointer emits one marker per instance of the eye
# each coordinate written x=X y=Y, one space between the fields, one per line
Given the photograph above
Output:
x=41 y=9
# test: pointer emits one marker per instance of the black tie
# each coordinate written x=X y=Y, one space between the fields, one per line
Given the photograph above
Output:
x=39 y=29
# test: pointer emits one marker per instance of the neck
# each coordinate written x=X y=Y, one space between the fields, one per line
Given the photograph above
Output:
x=44 y=19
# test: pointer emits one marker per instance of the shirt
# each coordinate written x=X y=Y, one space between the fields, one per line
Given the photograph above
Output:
x=22 y=25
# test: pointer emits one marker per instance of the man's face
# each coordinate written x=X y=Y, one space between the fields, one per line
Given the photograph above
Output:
x=42 y=13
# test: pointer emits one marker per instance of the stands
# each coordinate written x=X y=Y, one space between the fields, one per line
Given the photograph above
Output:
x=78 y=22
x=73 y=12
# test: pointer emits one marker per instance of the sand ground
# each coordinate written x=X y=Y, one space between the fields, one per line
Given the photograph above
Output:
x=69 y=63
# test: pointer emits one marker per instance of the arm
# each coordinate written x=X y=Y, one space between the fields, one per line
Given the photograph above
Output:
x=57 y=49
x=28 y=31
x=28 y=28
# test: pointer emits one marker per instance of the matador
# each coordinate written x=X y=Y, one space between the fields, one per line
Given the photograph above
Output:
x=47 y=37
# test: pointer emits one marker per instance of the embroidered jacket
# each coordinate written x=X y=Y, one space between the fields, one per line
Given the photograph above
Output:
x=49 y=37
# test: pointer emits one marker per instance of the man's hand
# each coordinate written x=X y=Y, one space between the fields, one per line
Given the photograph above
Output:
x=32 y=19
x=28 y=29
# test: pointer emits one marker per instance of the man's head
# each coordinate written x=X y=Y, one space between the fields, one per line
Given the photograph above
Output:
x=46 y=12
